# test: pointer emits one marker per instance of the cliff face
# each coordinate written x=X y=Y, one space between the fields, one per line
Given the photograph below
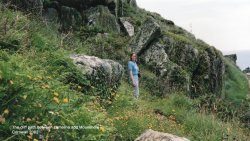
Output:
x=178 y=59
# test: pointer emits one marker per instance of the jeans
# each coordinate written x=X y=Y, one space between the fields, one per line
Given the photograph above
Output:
x=136 y=87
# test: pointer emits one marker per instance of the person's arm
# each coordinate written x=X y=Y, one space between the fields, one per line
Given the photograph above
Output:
x=131 y=77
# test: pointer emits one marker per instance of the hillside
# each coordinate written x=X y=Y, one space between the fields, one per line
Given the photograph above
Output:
x=49 y=77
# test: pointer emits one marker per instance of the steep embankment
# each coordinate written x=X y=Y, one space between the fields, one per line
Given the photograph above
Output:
x=45 y=82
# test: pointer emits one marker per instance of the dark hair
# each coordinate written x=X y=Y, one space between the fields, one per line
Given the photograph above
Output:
x=132 y=55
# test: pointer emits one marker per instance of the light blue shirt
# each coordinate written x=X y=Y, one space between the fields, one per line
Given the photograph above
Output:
x=132 y=66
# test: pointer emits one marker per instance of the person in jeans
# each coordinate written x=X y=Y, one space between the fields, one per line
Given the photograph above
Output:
x=133 y=73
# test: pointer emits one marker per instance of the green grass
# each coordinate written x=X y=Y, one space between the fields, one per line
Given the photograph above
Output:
x=236 y=83
x=39 y=85
x=175 y=114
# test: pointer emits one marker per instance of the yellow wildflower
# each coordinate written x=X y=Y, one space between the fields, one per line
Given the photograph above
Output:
x=56 y=99
x=101 y=128
x=2 y=120
x=39 y=77
x=228 y=129
x=35 y=140
x=46 y=86
x=39 y=105
x=28 y=119
x=24 y=97
x=65 y=100
x=6 y=111
x=49 y=77
x=11 y=82
x=29 y=77
x=29 y=136
x=56 y=94
x=109 y=102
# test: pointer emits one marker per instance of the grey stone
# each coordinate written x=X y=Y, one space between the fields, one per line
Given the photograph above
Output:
x=247 y=70
x=129 y=28
x=151 y=135
x=232 y=57
x=90 y=65
x=156 y=57
x=100 y=17
x=34 y=6
x=69 y=18
x=51 y=14
x=132 y=3
x=149 y=31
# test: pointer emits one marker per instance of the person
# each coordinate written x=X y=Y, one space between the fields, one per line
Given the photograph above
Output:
x=133 y=74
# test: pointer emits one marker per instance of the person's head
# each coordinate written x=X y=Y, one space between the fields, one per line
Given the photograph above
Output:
x=133 y=57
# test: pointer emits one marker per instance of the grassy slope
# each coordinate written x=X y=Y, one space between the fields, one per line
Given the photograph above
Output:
x=176 y=114
x=236 y=84
x=32 y=77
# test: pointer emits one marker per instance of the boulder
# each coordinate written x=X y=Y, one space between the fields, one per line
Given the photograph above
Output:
x=100 y=17
x=127 y=26
x=180 y=66
x=132 y=3
x=156 y=57
x=34 y=6
x=92 y=66
x=247 y=70
x=151 y=135
x=185 y=55
x=207 y=78
x=85 y=4
x=69 y=17
x=149 y=31
x=51 y=14
x=232 y=57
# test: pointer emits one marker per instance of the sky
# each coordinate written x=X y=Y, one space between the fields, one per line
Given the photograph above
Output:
x=224 y=24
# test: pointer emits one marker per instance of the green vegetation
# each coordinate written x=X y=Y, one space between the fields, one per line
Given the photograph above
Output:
x=39 y=85
x=236 y=84
x=176 y=114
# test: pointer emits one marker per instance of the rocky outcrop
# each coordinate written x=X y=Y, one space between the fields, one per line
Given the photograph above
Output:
x=34 y=6
x=110 y=71
x=69 y=18
x=149 y=31
x=85 y=4
x=127 y=26
x=247 y=70
x=232 y=57
x=207 y=78
x=179 y=63
x=151 y=135
x=132 y=3
x=51 y=14
x=100 y=17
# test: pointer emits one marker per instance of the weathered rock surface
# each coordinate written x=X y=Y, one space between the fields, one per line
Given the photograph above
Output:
x=151 y=135
x=101 y=17
x=85 y=4
x=232 y=57
x=34 y=6
x=178 y=63
x=149 y=31
x=91 y=65
x=51 y=14
x=127 y=26
x=69 y=17
x=247 y=70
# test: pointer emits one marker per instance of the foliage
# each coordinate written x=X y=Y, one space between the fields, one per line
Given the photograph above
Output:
x=39 y=85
